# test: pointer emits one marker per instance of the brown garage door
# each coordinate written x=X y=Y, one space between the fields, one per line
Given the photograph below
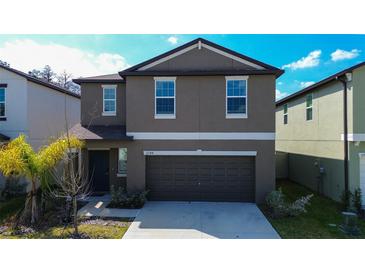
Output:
x=200 y=178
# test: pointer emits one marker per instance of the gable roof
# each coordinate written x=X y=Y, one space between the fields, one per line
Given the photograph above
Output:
x=258 y=67
x=107 y=78
x=319 y=84
x=40 y=81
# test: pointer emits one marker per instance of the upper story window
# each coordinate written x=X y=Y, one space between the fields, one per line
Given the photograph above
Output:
x=165 y=100
x=236 y=96
x=285 y=114
x=109 y=100
x=2 y=102
x=309 y=107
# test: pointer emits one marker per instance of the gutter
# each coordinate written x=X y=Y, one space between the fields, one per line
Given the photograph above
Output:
x=344 y=81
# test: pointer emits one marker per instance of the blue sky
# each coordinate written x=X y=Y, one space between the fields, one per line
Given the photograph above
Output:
x=306 y=58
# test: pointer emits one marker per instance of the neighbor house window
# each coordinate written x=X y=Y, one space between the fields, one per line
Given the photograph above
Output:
x=165 y=100
x=2 y=102
x=285 y=114
x=109 y=100
x=309 y=108
x=122 y=162
x=236 y=96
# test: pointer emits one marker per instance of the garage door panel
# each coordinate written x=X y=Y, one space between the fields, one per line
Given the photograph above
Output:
x=195 y=178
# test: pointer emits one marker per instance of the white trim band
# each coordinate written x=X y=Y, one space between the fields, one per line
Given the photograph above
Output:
x=198 y=153
x=202 y=135
x=354 y=137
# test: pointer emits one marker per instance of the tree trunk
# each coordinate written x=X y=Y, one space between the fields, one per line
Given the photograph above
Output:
x=33 y=196
x=74 y=200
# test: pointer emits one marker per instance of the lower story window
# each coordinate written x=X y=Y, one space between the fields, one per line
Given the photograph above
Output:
x=122 y=162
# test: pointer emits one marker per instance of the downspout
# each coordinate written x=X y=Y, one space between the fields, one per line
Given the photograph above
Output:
x=343 y=80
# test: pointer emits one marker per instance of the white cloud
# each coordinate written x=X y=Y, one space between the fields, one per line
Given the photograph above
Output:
x=280 y=94
x=311 y=60
x=27 y=54
x=340 y=54
x=306 y=84
x=173 y=40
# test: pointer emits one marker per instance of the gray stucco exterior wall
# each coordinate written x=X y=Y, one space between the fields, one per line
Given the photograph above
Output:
x=201 y=105
x=92 y=105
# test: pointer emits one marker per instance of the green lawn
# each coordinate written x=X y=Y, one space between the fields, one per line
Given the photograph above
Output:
x=315 y=224
x=9 y=208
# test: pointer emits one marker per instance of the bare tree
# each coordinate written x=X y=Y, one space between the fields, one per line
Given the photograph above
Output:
x=70 y=184
x=47 y=74
x=65 y=80
x=35 y=73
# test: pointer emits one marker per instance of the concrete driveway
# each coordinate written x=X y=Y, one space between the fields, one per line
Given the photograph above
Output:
x=200 y=220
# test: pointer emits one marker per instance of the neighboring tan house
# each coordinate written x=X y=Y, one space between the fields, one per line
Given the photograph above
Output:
x=194 y=124
x=33 y=107
x=310 y=125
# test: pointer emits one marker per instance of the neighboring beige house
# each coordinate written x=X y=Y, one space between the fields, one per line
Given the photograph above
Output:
x=193 y=124
x=310 y=143
x=34 y=108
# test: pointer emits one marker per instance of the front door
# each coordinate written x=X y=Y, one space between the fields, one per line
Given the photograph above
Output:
x=99 y=170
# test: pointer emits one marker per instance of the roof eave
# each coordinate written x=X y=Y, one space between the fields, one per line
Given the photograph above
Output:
x=195 y=41
x=318 y=84
x=80 y=81
x=277 y=73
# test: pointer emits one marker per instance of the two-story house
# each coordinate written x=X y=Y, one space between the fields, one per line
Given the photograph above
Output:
x=311 y=127
x=193 y=124
x=34 y=107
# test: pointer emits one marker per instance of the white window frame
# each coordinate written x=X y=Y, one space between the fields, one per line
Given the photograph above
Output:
x=110 y=113
x=306 y=108
x=4 y=116
x=285 y=114
x=122 y=174
x=236 y=115
x=165 y=116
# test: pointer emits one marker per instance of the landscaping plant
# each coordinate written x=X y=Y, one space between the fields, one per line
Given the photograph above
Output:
x=121 y=199
x=280 y=208
x=19 y=159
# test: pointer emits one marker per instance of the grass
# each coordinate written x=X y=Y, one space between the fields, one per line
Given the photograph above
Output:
x=9 y=209
x=317 y=223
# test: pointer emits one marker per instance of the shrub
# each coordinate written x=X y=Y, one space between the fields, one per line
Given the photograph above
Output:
x=346 y=198
x=121 y=198
x=280 y=208
x=356 y=199
x=351 y=201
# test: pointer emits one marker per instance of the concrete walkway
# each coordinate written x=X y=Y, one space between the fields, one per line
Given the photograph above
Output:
x=200 y=220
x=96 y=207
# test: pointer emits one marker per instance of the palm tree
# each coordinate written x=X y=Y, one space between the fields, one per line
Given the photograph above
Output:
x=18 y=158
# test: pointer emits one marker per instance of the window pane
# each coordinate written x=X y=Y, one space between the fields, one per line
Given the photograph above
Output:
x=165 y=106
x=2 y=109
x=165 y=88
x=309 y=113
x=285 y=119
x=122 y=161
x=109 y=105
x=236 y=88
x=236 y=105
x=309 y=100
x=109 y=93
x=2 y=95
